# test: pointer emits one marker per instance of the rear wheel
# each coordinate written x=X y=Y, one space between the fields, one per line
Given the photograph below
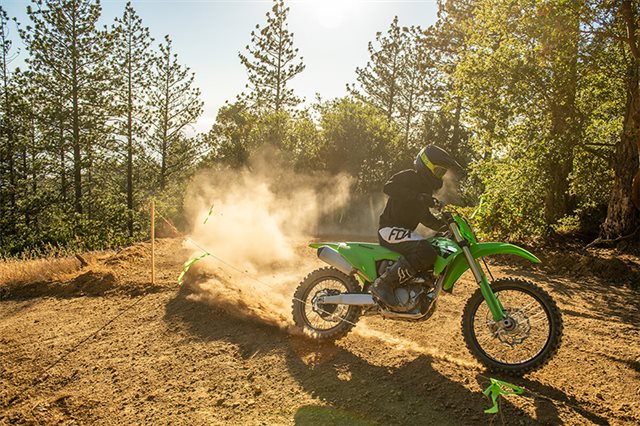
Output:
x=325 y=322
x=526 y=340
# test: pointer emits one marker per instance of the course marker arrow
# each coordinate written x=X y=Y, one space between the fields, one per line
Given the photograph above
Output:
x=206 y=219
x=496 y=389
x=189 y=264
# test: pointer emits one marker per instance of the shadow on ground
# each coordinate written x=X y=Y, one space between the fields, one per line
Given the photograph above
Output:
x=353 y=390
x=89 y=283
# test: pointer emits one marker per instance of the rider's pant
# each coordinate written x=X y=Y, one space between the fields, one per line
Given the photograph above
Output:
x=413 y=246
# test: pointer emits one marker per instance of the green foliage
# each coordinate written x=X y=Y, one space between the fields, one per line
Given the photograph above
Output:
x=229 y=138
x=534 y=101
x=95 y=126
x=349 y=136
x=239 y=132
x=538 y=100
x=512 y=200
x=358 y=139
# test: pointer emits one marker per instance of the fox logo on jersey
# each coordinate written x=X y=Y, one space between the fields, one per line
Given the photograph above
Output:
x=399 y=234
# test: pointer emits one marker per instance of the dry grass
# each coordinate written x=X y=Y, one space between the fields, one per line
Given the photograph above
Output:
x=34 y=270
x=51 y=263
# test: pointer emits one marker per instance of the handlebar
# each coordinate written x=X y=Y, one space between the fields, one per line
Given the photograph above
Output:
x=440 y=205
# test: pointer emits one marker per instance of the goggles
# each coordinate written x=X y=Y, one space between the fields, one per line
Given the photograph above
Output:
x=438 y=171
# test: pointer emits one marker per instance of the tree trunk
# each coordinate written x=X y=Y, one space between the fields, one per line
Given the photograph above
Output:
x=557 y=199
x=163 y=166
x=165 y=124
x=456 y=135
x=130 y=146
x=9 y=130
x=279 y=70
x=34 y=182
x=409 y=117
x=565 y=131
x=623 y=213
x=623 y=217
x=25 y=178
x=77 y=156
x=392 y=88
x=63 y=166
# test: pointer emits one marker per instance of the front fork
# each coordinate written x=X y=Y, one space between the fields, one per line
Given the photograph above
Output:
x=496 y=308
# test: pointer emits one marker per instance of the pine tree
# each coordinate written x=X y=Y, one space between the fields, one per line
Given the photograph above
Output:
x=68 y=56
x=7 y=130
x=131 y=56
x=415 y=82
x=30 y=154
x=379 y=79
x=271 y=63
x=174 y=104
x=445 y=43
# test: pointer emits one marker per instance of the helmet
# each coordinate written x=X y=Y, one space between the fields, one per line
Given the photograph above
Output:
x=432 y=160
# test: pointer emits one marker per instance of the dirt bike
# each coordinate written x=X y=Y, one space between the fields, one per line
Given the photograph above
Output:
x=510 y=325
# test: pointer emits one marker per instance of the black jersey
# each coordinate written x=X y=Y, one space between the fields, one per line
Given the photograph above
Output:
x=404 y=208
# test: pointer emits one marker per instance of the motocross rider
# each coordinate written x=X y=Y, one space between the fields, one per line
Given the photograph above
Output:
x=410 y=197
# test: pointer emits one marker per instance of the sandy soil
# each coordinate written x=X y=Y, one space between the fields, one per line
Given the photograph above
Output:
x=171 y=360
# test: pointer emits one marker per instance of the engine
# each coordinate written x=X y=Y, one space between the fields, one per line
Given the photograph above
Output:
x=414 y=294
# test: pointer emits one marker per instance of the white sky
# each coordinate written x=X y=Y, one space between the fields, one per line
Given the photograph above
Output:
x=332 y=36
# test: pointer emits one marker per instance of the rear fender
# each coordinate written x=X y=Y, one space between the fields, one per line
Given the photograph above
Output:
x=459 y=265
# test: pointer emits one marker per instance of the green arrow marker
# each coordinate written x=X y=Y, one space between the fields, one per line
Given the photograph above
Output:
x=495 y=389
x=189 y=264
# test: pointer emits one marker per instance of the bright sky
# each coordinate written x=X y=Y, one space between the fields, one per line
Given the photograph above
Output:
x=332 y=36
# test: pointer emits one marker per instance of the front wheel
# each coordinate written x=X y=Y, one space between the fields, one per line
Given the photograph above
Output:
x=320 y=321
x=526 y=340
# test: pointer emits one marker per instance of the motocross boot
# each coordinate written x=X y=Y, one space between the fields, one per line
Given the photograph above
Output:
x=396 y=274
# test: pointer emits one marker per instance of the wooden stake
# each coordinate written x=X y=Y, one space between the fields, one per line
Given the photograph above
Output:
x=153 y=241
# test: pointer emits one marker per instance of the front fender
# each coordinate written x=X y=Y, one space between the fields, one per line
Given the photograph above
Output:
x=460 y=265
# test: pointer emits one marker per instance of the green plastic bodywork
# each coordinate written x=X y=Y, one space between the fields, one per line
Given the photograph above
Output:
x=465 y=229
x=450 y=261
x=363 y=256
x=459 y=265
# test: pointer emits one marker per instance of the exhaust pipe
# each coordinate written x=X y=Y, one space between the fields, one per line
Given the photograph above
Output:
x=355 y=299
x=335 y=259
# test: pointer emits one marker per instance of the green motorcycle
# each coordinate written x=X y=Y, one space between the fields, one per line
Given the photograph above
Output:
x=510 y=325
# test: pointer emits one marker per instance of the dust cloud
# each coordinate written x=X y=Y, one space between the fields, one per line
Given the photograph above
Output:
x=258 y=222
x=450 y=191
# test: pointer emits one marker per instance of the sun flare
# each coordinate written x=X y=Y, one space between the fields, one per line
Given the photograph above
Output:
x=332 y=13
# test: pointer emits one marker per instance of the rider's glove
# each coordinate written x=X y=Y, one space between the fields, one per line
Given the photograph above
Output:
x=443 y=228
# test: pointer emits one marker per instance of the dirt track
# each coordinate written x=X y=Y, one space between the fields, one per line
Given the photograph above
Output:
x=171 y=360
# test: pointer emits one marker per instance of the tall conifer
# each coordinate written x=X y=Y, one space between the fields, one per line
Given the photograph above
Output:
x=68 y=56
x=132 y=58
x=271 y=63
x=378 y=81
x=175 y=104
x=7 y=133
